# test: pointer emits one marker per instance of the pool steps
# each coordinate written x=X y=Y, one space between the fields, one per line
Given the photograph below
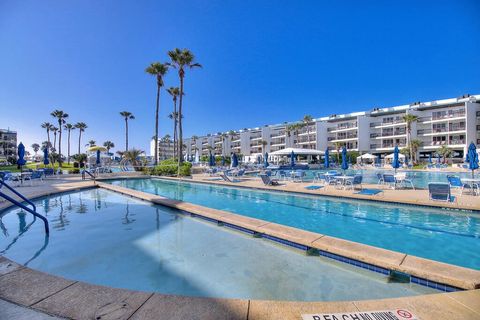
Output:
x=441 y=276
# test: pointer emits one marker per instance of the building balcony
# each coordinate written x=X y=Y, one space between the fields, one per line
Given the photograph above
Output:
x=344 y=127
x=344 y=139
x=282 y=136
x=278 y=144
x=458 y=143
x=385 y=124
x=256 y=138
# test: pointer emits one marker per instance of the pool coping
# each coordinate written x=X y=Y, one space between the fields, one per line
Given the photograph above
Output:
x=78 y=300
x=439 y=275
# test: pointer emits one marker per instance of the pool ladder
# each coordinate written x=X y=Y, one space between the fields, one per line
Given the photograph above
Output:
x=32 y=210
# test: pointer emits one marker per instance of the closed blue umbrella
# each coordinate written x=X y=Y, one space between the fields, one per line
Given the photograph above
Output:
x=327 y=159
x=45 y=156
x=97 y=161
x=234 y=160
x=223 y=161
x=379 y=159
x=472 y=158
x=265 y=160
x=344 y=158
x=406 y=161
x=211 y=160
x=395 y=162
x=438 y=158
x=292 y=159
x=259 y=159
x=21 y=155
x=430 y=158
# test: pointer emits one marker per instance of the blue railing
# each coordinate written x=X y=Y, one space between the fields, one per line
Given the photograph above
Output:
x=32 y=210
x=85 y=171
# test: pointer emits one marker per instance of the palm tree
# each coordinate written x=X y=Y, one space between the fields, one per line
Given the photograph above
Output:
x=132 y=156
x=158 y=70
x=54 y=130
x=264 y=143
x=445 y=152
x=174 y=92
x=69 y=127
x=409 y=119
x=415 y=144
x=91 y=143
x=307 y=120
x=289 y=128
x=181 y=59
x=194 y=138
x=48 y=126
x=81 y=126
x=127 y=116
x=61 y=116
x=35 y=148
x=109 y=145
x=338 y=146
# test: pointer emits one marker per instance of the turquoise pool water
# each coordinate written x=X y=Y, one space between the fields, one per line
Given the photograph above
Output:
x=447 y=236
x=105 y=238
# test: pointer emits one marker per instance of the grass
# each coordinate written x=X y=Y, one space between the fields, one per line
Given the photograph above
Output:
x=36 y=165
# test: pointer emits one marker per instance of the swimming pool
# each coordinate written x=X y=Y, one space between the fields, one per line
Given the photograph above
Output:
x=446 y=236
x=101 y=237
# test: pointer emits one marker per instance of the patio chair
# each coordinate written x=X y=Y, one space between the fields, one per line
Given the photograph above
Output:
x=357 y=181
x=269 y=181
x=401 y=178
x=439 y=191
x=298 y=176
x=238 y=173
x=389 y=180
x=319 y=177
x=380 y=178
x=48 y=172
x=456 y=184
x=227 y=178
x=35 y=176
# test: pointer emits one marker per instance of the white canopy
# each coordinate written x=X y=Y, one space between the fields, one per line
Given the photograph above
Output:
x=390 y=156
x=367 y=156
x=296 y=151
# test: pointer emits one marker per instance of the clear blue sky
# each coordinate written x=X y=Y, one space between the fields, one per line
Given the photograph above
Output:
x=264 y=61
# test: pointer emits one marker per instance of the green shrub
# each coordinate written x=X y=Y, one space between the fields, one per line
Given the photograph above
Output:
x=170 y=168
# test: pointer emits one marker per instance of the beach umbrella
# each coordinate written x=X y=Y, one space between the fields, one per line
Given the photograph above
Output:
x=234 y=160
x=379 y=159
x=395 y=162
x=438 y=158
x=97 y=160
x=472 y=158
x=259 y=159
x=265 y=160
x=292 y=159
x=344 y=158
x=21 y=155
x=430 y=158
x=45 y=156
x=406 y=161
x=223 y=161
x=327 y=159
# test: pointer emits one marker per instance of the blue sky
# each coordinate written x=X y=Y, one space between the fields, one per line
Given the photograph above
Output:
x=264 y=61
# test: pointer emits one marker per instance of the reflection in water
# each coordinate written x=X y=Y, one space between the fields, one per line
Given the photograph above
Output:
x=23 y=227
x=4 y=229
x=126 y=219
x=37 y=254
x=22 y=223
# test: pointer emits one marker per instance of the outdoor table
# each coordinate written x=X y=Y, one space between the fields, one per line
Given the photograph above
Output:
x=343 y=179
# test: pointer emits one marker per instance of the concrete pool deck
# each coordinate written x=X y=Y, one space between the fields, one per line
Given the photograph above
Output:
x=76 y=300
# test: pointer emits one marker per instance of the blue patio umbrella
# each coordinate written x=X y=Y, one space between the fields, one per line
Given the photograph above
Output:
x=472 y=158
x=45 y=156
x=223 y=161
x=327 y=159
x=259 y=159
x=21 y=155
x=406 y=161
x=379 y=159
x=211 y=160
x=438 y=158
x=430 y=158
x=396 y=161
x=97 y=161
x=292 y=159
x=265 y=160
x=344 y=158
x=234 y=160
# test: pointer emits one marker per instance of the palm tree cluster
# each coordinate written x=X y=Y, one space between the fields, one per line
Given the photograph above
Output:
x=180 y=59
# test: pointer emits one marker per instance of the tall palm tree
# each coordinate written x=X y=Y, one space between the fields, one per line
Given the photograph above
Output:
x=264 y=143
x=61 y=116
x=181 y=59
x=132 y=156
x=35 y=148
x=445 y=152
x=54 y=130
x=158 y=70
x=109 y=145
x=91 y=143
x=127 y=116
x=409 y=119
x=415 y=144
x=338 y=146
x=174 y=92
x=307 y=120
x=81 y=126
x=69 y=127
x=48 y=126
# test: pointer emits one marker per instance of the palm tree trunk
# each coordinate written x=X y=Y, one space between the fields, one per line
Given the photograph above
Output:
x=48 y=137
x=126 y=134
x=180 y=129
x=59 y=143
x=175 y=147
x=79 y=140
x=54 y=140
x=68 y=151
x=156 y=124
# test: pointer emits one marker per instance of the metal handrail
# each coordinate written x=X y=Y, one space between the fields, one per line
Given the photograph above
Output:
x=21 y=205
x=87 y=172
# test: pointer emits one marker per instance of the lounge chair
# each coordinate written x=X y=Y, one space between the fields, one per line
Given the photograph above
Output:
x=438 y=191
x=380 y=178
x=238 y=173
x=356 y=181
x=401 y=178
x=227 y=178
x=389 y=180
x=298 y=176
x=456 y=183
x=269 y=181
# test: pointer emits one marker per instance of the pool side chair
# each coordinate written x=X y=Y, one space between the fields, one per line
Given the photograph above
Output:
x=389 y=180
x=356 y=182
x=380 y=178
x=438 y=191
x=227 y=178
x=269 y=181
x=401 y=178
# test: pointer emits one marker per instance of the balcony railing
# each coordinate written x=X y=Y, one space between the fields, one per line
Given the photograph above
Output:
x=448 y=114
x=386 y=122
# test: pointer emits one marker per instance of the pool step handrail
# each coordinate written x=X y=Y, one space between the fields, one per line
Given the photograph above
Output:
x=85 y=171
x=32 y=210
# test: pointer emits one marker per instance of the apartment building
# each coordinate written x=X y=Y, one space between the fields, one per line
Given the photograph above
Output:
x=165 y=149
x=451 y=122
x=8 y=144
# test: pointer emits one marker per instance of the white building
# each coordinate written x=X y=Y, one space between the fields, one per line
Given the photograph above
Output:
x=165 y=149
x=451 y=122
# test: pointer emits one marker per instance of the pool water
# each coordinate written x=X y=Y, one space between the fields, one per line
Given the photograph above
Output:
x=101 y=237
x=446 y=236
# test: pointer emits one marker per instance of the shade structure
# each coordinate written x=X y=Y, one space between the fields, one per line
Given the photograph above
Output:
x=472 y=158
x=396 y=161
x=344 y=158
x=297 y=151
x=292 y=159
x=392 y=155
x=223 y=161
x=367 y=156
x=265 y=160
x=234 y=160
x=97 y=160
x=45 y=156
x=327 y=158
x=96 y=148
x=21 y=154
